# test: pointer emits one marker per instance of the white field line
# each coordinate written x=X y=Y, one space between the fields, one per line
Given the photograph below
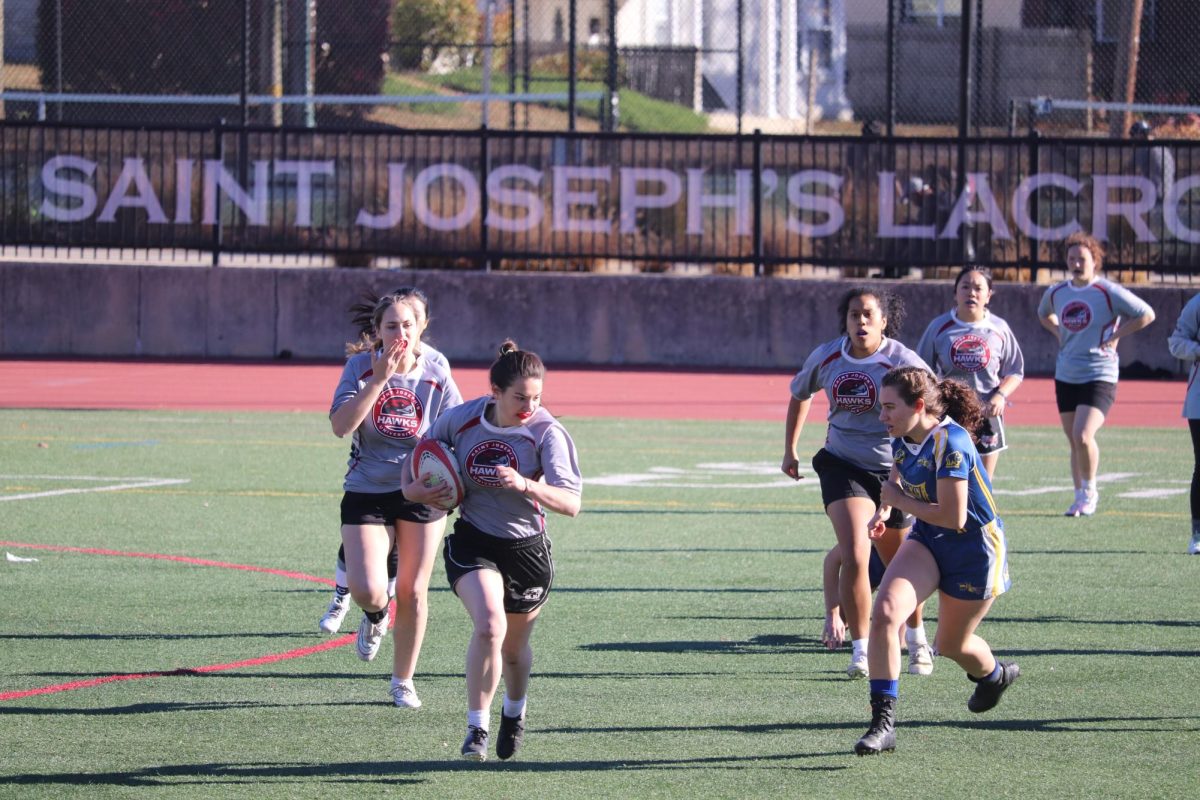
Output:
x=127 y=483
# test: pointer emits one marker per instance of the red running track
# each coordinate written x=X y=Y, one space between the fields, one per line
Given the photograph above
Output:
x=633 y=393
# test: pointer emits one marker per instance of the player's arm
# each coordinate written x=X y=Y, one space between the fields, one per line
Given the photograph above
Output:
x=878 y=523
x=350 y=414
x=794 y=423
x=950 y=511
x=1131 y=325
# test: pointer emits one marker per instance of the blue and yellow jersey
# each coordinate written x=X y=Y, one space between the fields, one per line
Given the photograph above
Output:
x=947 y=452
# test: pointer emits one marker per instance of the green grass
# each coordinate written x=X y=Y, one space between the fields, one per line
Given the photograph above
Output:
x=678 y=656
x=404 y=86
x=639 y=112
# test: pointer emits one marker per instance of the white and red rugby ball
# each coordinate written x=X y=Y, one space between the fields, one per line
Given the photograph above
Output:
x=433 y=462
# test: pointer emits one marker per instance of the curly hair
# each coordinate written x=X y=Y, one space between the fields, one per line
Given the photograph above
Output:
x=890 y=304
x=943 y=397
x=1087 y=242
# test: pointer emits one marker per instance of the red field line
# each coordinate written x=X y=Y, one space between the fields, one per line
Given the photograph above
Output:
x=631 y=393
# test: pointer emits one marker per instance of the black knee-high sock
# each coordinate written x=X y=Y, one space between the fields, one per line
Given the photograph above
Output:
x=1194 y=427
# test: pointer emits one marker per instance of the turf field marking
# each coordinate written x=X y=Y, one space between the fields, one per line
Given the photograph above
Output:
x=201 y=670
x=127 y=483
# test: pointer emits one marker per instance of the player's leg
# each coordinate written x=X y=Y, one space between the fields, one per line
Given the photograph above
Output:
x=850 y=517
x=1067 y=419
x=366 y=549
x=920 y=654
x=910 y=578
x=989 y=463
x=517 y=654
x=1087 y=422
x=482 y=594
x=340 y=603
x=1194 y=427
x=416 y=548
x=957 y=640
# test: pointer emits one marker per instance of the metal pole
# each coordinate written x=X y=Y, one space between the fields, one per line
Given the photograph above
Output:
x=890 y=111
x=741 y=75
x=526 y=60
x=571 y=65
x=310 y=61
x=245 y=94
x=966 y=48
x=58 y=52
x=614 y=97
x=489 y=20
x=512 y=63
x=1125 y=74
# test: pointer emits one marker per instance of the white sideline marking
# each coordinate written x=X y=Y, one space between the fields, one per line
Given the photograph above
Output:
x=126 y=483
x=1151 y=494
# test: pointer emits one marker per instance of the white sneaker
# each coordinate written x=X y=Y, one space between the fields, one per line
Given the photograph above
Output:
x=370 y=636
x=1194 y=547
x=332 y=621
x=858 y=665
x=920 y=659
x=405 y=697
x=1088 y=506
x=1075 y=508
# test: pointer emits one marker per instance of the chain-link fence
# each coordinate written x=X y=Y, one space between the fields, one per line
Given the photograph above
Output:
x=785 y=66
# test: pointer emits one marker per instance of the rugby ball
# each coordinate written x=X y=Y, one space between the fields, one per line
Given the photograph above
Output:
x=433 y=462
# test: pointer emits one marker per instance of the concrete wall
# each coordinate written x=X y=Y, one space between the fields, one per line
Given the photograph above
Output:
x=228 y=313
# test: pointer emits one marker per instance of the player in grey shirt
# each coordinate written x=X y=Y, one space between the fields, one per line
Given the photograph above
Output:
x=1088 y=315
x=974 y=346
x=857 y=454
x=516 y=461
x=388 y=397
x=1185 y=345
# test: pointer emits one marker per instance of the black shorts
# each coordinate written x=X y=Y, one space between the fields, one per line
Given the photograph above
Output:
x=384 y=508
x=841 y=479
x=1097 y=394
x=526 y=565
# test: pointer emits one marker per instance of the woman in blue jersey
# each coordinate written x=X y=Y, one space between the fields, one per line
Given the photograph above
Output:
x=517 y=461
x=1088 y=315
x=362 y=314
x=389 y=395
x=972 y=345
x=1185 y=345
x=957 y=547
x=855 y=459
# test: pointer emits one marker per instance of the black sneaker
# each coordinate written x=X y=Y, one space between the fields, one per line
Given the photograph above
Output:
x=512 y=734
x=475 y=745
x=988 y=694
x=881 y=736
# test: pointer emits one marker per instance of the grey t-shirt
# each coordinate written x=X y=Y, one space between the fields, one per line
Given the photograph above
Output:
x=855 y=433
x=1184 y=344
x=539 y=448
x=401 y=415
x=980 y=354
x=1087 y=317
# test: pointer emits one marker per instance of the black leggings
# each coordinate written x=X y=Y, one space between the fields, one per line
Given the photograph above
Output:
x=1194 y=427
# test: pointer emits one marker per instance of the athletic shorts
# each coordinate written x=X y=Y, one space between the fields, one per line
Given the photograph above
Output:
x=990 y=436
x=875 y=569
x=384 y=508
x=1097 y=394
x=973 y=565
x=840 y=479
x=526 y=565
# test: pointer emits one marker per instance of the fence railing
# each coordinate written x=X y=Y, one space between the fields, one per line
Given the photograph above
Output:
x=751 y=204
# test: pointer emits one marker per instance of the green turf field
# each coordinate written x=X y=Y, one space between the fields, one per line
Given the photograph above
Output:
x=678 y=656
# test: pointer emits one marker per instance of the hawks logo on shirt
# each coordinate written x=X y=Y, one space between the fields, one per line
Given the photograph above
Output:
x=970 y=353
x=397 y=413
x=1076 y=316
x=482 y=460
x=854 y=392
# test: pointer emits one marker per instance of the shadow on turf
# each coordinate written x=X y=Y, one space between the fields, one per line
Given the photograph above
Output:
x=764 y=644
x=217 y=774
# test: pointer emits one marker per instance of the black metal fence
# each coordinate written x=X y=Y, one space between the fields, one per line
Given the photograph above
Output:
x=751 y=204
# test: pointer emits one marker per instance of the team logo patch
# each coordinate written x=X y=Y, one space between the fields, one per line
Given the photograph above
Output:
x=1076 y=316
x=482 y=460
x=954 y=460
x=397 y=413
x=854 y=392
x=970 y=353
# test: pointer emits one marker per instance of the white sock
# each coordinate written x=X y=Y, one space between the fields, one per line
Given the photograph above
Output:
x=403 y=682
x=860 y=646
x=1089 y=487
x=915 y=636
x=339 y=575
x=392 y=588
x=480 y=719
x=514 y=708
